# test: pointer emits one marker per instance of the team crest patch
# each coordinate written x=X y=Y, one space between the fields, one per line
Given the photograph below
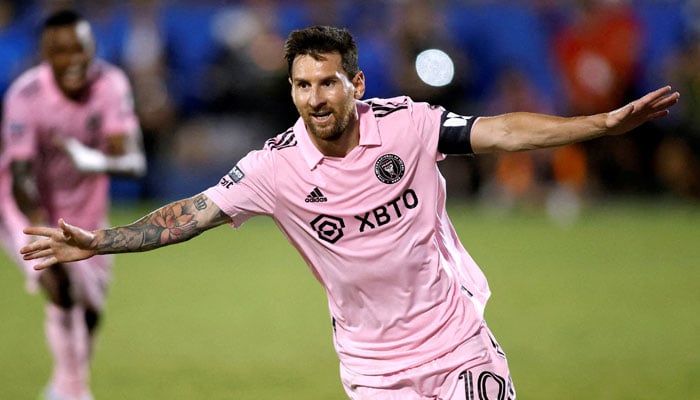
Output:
x=236 y=174
x=389 y=168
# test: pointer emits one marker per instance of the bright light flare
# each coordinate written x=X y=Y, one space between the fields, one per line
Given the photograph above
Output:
x=435 y=67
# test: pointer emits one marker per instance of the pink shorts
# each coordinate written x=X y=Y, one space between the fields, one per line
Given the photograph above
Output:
x=89 y=278
x=476 y=370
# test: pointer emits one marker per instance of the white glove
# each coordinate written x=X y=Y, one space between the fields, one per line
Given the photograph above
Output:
x=89 y=160
x=85 y=158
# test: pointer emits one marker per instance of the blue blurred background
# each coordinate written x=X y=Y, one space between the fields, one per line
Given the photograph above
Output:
x=210 y=83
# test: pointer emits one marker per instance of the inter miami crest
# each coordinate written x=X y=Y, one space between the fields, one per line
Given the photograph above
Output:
x=389 y=168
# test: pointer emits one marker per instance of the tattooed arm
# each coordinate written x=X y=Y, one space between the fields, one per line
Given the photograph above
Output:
x=173 y=223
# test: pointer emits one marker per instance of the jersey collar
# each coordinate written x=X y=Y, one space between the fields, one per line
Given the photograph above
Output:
x=369 y=135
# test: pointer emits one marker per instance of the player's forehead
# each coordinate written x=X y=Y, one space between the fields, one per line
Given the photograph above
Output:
x=307 y=67
x=67 y=35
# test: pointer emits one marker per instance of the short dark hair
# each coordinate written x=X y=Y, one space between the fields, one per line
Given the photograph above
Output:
x=317 y=40
x=62 y=18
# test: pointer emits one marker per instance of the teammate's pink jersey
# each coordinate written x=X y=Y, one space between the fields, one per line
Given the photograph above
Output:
x=36 y=113
x=373 y=229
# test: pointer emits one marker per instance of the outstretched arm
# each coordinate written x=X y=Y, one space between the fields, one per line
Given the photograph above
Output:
x=173 y=223
x=124 y=155
x=526 y=131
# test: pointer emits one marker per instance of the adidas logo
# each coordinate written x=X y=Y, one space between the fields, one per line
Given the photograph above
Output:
x=316 y=197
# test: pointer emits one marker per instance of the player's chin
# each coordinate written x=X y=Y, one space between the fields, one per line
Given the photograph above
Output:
x=324 y=131
x=73 y=87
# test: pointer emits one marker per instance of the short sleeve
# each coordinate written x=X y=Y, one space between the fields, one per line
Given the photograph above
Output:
x=427 y=119
x=247 y=189
x=19 y=130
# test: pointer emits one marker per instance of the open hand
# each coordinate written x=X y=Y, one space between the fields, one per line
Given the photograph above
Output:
x=651 y=106
x=63 y=244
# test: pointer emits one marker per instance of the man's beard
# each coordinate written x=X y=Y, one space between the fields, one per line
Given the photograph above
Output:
x=334 y=132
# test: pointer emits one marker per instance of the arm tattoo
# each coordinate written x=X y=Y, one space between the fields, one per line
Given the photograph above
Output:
x=200 y=203
x=176 y=222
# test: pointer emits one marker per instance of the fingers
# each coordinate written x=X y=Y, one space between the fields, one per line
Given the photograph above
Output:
x=35 y=246
x=658 y=114
x=65 y=228
x=69 y=231
x=35 y=255
x=39 y=231
x=37 y=250
x=653 y=105
x=45 y=264
x=667 y=101
x=661 y=98
x=40 y=249
x=663 y=90
x=657 y=94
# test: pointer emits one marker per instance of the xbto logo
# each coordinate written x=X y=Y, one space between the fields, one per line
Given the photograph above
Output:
x=330 y=228
x=383 y=214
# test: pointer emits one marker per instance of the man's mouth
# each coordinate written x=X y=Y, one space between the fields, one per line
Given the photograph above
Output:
x=321 y=117
x=73 y=76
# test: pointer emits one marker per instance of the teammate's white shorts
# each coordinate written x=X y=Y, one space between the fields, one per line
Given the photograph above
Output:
x=476 y=370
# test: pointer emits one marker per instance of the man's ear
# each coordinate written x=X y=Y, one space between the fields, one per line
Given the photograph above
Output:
x=359 y=83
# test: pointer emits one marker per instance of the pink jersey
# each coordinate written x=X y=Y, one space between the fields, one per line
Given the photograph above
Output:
x=36 y=113
x=372 y=227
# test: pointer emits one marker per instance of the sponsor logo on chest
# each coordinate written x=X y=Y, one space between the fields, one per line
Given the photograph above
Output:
x=388 y=169
x=331 y=228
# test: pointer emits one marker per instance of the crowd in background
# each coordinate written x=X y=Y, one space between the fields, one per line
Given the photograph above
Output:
x=210 y=82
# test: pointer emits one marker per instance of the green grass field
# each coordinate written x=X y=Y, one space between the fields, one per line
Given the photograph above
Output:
x=607 y=308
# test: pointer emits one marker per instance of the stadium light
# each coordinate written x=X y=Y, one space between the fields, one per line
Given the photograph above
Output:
x=435 y=67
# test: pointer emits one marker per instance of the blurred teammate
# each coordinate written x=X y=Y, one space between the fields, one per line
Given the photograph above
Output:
x=354 y=186
x=68 y=123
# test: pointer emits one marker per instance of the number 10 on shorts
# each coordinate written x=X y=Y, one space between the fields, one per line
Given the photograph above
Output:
x=487 y=386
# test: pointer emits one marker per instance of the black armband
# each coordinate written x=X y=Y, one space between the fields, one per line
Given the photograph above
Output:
x=455 y=134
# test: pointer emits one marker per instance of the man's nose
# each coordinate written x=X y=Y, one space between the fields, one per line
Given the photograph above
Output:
x=316 y=97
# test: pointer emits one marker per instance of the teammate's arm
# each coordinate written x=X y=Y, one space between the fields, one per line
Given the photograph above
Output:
x=124 y=156
x=25 y=191
x=525 y=131
x=173 y=223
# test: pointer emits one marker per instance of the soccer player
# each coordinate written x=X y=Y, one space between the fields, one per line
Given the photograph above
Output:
x=68 y=123
x=354 y=186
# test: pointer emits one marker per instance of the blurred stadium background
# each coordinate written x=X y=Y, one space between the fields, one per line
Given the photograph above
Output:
x=591 y=249
x=210 y=82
